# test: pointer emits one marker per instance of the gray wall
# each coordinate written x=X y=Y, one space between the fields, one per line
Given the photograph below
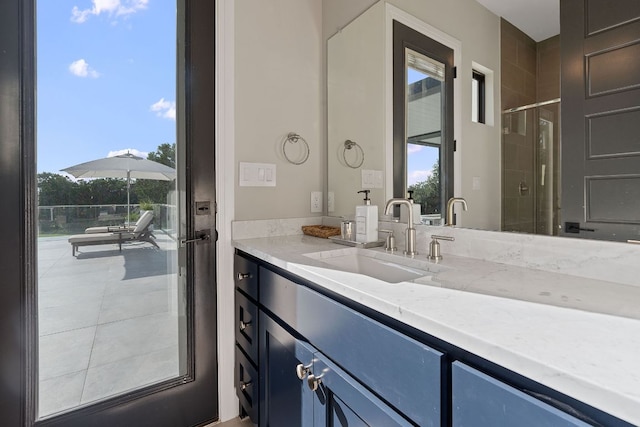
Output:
x=278 y=89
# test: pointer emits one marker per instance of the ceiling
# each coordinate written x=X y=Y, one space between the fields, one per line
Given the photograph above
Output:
x=539 y=19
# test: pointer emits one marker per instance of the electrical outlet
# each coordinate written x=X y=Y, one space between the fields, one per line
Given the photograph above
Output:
x=316 y=201
x=331 y=201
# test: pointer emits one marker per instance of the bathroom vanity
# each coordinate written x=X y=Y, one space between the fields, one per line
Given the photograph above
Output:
x=317 y=344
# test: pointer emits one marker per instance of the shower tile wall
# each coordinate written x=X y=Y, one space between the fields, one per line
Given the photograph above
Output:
x=530 y=73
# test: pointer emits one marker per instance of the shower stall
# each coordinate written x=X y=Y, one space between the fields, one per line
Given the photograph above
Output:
x=530 y=168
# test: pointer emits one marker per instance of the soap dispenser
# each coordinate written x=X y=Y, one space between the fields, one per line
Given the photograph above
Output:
x=366 y=220
x=404 y=217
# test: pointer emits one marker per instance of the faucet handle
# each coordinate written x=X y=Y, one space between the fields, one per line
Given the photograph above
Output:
x=434 y=247
x=390 y=242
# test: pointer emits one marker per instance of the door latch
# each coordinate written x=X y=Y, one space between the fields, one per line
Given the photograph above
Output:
x=202 y=236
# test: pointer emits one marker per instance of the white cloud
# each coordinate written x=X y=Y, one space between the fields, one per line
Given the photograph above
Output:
x=414 y=148
x=415 y=177
x=165 y=109
x=115 y=8
x=133 y=151
x=81 y=68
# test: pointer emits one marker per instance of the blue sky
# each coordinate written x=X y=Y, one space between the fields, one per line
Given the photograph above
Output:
x=421 y=158
x=105 y=78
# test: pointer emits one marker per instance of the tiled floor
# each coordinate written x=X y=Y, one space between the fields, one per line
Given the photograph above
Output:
x=108 y=320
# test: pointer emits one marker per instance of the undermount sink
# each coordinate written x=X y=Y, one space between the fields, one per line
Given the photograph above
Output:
x=379 y=265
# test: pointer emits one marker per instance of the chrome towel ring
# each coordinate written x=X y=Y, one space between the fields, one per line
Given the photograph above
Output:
x=294 y=138
x=348 y=145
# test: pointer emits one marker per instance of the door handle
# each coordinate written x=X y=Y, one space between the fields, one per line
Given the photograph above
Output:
x=201 y=237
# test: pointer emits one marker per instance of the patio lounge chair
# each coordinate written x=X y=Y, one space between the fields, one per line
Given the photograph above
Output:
x=117 y=228
x=140 y=233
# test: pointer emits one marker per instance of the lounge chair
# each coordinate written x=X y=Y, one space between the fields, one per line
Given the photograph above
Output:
x=117 y=228
x=140 y=233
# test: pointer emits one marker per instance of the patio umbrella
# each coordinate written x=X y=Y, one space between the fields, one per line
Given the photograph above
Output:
x=123 y=166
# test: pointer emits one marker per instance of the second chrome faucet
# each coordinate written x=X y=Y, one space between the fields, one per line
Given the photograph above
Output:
x=452 y=201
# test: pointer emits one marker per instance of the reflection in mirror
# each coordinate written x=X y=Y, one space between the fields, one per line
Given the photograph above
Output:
x=424 y=105
x=531 y=169
x=422 y=121
x=513 y=181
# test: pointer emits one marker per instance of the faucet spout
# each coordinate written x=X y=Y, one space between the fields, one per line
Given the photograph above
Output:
x=410 y=241
x=452 y=201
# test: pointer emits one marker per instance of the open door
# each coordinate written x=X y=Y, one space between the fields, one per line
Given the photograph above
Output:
x=186 y=393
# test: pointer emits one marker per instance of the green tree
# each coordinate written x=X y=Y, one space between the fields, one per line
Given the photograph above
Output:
x=55 y=189
x=156 y=191
x=428 y=193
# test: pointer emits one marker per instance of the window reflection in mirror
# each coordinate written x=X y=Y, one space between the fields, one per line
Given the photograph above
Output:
x=424 y=111
x=422 y=121
x=424 y=107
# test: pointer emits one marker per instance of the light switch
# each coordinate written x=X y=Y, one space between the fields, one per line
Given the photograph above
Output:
x=257 y=174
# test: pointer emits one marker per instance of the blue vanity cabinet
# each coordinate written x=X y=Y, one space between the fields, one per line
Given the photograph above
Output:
x=481 y=400
x=401 y=372
x=301 y=387
x=341 y=401
x=246 y=334
x=285 y=364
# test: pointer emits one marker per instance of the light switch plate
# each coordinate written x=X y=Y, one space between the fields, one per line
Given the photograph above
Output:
x=257 y=174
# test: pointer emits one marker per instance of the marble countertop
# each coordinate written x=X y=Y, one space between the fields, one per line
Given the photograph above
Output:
x=576 y=335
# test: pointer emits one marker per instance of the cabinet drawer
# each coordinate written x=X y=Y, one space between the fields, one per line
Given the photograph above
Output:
x=247 y=325
x=404 y=372
x=247 y=387
x=245 y=276
x=479 y=399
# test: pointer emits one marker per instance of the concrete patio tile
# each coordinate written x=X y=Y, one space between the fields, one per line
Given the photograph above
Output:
x=54 y=296
x=67 y=317
x=131 y=292
x=60 y=393
x=121 y=307
x=140 y=286
x=66 y=352
x=133 y=337
x=130 y=373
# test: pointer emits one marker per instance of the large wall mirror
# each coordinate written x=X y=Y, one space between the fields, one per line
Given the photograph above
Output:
x=507 y=168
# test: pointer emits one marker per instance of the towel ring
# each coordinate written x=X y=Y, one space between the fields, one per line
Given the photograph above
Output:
x=293 y=138
x=348 y=145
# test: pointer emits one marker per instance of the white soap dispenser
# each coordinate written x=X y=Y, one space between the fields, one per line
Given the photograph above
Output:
x=366 y=220
x=416 y=207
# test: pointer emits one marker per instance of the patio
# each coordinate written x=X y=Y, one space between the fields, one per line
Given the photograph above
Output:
x=108 y=320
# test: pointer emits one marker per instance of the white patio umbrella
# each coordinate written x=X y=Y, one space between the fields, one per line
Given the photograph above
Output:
x=123 y=166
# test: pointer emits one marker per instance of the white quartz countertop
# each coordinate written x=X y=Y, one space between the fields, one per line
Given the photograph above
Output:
x=578 y=336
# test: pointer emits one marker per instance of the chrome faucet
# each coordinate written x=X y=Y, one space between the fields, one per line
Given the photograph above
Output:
x=450 y=204
x=410 y=241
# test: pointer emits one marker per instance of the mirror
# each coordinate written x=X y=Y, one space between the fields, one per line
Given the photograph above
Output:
x=359 y=97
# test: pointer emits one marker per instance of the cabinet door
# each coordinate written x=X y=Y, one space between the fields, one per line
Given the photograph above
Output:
x=342 y=401
x=285 y=399
x=480 y=400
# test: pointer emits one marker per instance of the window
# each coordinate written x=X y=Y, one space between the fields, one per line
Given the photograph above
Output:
x=478 y=104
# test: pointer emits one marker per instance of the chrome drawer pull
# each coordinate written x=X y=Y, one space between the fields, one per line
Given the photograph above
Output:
x=244 y=325
x=302 y=371
x=243 y=386
x=242 y=276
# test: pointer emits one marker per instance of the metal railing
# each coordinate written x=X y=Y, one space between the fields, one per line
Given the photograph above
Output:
x=73 y=219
